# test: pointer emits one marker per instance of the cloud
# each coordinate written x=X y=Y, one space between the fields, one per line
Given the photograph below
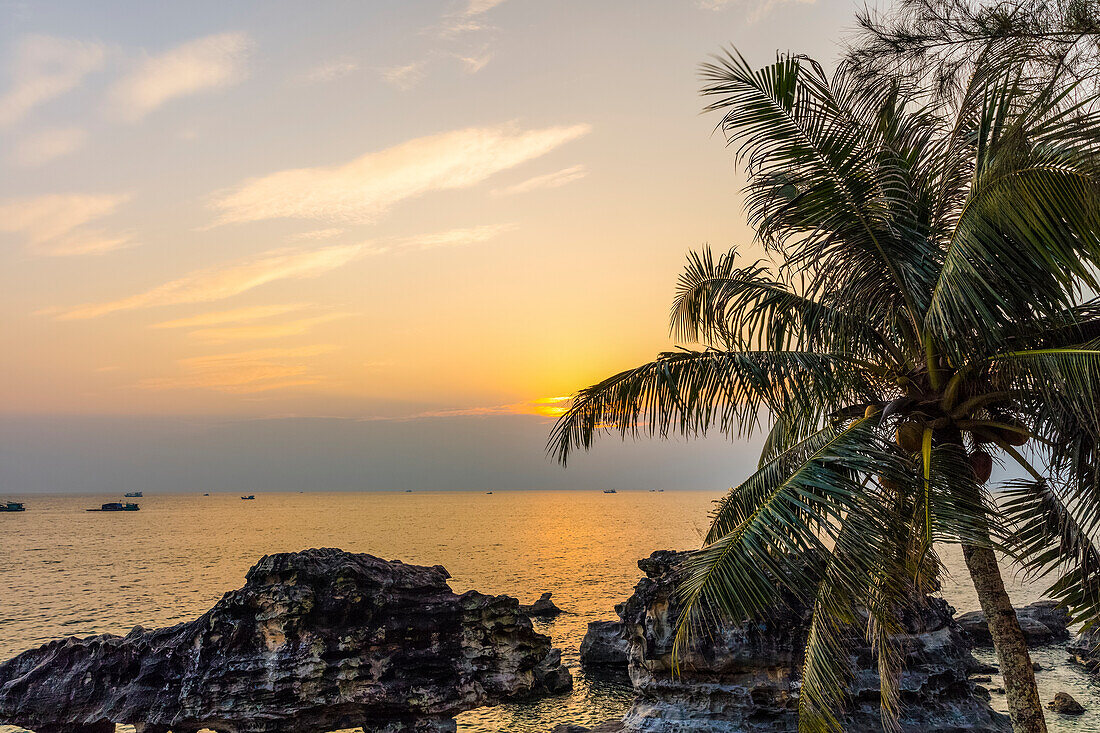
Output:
x=474 y=64
x=55 y=224
x=754 y=9
x=294 y=327
x=320 y=233
x=365 y=188
x=48 y=144
x=543 y=407
x=245 y=372
x=237 y=315
x=450 y=238
x=404 y=77
x=331 y=70
x=235 y=278
x=549 y=180
x=477 y=7
x=44 y=68
x=212 y=62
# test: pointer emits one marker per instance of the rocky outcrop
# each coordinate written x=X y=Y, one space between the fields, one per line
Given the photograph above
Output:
x=1043 y=622
x=745 y=679
x=542 y=608
x=1064 y=704
x=314 y=641
x=605 y=646
x=1085 y=649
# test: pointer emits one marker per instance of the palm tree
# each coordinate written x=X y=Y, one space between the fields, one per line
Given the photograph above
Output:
x=926 y=312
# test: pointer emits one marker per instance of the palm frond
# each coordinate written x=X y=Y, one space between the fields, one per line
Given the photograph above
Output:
x=689 y=392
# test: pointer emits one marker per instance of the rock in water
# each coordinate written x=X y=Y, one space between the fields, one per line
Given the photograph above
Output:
x=1064 y=703
x=542 y=608
x=315 y=641
x=745 y=679
x=1042 y=622
x=605 y=645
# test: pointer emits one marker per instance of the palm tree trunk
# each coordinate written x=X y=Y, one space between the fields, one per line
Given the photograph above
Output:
x=1024 y=708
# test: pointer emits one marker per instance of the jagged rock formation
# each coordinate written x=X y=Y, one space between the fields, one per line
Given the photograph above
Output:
x=542 y=608
x=314 y=641
x=1042 y=622
x=605 y=646
x=1085 y=649
x=744 y=679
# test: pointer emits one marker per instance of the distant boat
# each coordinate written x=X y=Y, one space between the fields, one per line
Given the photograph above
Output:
x=134 y=495
x=488 y=492
x=249 y=497
x=610 y=491
x=206 y=494
x=408 y=491
x=117 y=506
x=660 y=491
x=12 y=506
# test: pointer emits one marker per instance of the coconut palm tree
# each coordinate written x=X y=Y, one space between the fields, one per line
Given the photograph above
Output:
x=925 y=311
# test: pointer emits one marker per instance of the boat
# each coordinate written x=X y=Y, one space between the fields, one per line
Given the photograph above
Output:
x=610 y=491
x=134 y=495
x=117 y=506
x=207 y=494
x=248 y=498
x=12 y=506
x=488 y=492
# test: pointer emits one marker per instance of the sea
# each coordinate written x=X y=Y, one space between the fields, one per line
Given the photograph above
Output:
x=68 y=572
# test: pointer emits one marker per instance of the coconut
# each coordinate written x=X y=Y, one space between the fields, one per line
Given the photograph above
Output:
x=1012 y=437
x=982 y=465
x=911 y=436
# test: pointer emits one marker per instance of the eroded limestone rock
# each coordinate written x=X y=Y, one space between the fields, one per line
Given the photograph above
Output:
x=315 y=641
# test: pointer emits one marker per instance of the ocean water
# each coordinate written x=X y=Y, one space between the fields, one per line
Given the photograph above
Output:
x=66 y=572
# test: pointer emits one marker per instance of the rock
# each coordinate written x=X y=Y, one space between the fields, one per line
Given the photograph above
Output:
x=1064 y=703
x=745 y=678
x=1085 y=649
x=542 y=608
x=982 y=679
x=605 y=645
x=980 y=668
x=613 y=726
x=1035 y=666
x=314 y=641
x=1042 y=622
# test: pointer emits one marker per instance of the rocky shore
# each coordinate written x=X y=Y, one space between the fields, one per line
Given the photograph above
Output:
x=315 y=641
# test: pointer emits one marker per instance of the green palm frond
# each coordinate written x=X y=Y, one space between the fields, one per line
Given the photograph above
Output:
x=1052 y=537
x=689 y=392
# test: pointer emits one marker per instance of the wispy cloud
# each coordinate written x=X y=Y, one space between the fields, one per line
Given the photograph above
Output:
x=543 y=407
x=450 y=238
x=331 y=70
x=548 y=180
x=754 y=9
x=44 y=68
x=48 y=144
x=475 y=63
x=257 y=331
x=404 y=77
x=328 y=233
x=55 y=224
x=477 y=7
x=368 y=186
x=235 y=278
x=245 y=372
x=236 y=315
x=212 y=62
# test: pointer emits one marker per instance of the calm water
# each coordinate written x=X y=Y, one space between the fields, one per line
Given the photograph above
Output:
x=66 y=572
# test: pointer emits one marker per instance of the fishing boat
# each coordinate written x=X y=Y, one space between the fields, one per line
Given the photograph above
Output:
x=117 y=506
x=610 y=491
x=248 y=498
x=12 y=506
x=134 y=495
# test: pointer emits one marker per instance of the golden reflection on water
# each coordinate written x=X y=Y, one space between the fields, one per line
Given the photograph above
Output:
x=65 y=572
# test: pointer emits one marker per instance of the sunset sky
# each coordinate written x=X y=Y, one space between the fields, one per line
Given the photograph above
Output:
x=353 y=244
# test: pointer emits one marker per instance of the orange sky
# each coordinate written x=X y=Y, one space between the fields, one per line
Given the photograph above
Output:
x=362 y=210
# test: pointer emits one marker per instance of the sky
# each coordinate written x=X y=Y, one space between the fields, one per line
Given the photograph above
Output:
x=355 y=245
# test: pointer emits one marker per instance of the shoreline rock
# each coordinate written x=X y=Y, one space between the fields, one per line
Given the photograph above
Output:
x=542 y=608
x=745 y=679
x=315 y=641
x=605 y=646
x=1042 y=622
